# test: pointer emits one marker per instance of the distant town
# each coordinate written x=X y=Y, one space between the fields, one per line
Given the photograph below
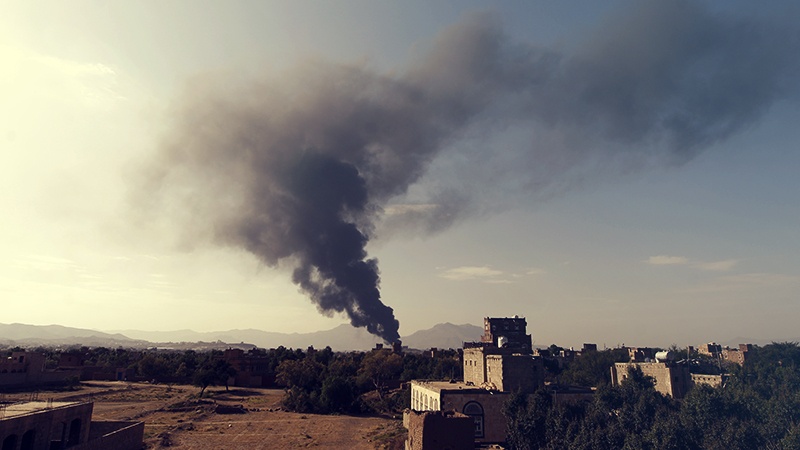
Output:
x=447 y=398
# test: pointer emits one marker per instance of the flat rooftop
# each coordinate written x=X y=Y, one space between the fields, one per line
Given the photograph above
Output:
x=20 y=409
x=445 y=386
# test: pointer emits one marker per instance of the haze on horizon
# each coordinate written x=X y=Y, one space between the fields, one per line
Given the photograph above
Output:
x=623 y=172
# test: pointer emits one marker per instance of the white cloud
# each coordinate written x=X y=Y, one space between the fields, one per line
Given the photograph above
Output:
x=486 y=274
x=44 y=263
x=47 y=78
x=713 y=266
x=717 y=266
x=463 y=273
x=664 y=260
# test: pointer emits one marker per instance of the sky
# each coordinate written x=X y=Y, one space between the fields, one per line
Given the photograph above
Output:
x=615 y=172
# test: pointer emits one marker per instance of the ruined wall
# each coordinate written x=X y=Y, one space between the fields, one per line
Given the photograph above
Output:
x=438 y=430
x=711 y=380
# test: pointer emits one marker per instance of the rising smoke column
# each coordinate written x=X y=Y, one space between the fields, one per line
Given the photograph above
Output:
x=297 y=169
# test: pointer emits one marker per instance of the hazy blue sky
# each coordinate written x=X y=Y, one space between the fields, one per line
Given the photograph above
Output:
x=615 y=172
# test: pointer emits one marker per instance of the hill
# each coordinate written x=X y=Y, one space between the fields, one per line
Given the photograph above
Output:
x=341 y=338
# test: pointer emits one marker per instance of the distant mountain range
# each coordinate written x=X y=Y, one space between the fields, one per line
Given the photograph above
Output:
x=343 y=337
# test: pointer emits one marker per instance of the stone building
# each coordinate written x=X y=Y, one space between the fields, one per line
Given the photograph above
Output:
x=737 y=355
x=64 y=425
x=711 y=380
x=252 y=368
x=438 y=430
x=484 y=406
x=711 y=349
x=670 y=378
x=27 y=369
x=501 y=363
x=641 y=354
x=503 y=360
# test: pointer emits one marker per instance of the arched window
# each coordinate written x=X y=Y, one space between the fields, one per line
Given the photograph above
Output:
x=74 y=432
x=28 y=440
x=475 y=410
x=10 y=442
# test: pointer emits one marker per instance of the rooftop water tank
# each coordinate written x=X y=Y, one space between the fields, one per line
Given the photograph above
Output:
x=502 y=341
x=665 y=356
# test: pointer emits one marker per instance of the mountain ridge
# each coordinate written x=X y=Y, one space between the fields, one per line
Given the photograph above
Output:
x=341 y=338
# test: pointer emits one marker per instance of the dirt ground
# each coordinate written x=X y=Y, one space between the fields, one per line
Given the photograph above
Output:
x=222 y=420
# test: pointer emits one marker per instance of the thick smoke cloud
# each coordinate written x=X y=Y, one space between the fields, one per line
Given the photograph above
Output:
x=298 y=169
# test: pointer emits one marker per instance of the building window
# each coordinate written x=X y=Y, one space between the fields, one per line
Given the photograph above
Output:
x=74 y=433
x=10 y=442
x=28 y=440
x=475 y=410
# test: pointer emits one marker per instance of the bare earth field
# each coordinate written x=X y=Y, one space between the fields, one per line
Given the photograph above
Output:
x=238 y=419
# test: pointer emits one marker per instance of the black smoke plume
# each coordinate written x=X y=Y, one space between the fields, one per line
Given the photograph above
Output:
x=298 y=169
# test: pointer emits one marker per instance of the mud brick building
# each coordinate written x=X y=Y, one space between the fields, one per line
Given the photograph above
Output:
x=64 y=425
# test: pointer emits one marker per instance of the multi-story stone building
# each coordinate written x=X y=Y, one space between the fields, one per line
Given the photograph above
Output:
x=711 y=349
x=501 y=363
x=670 y=378
x=737 y=355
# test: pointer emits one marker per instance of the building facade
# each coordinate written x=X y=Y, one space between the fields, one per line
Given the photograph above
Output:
x=438 y=430
x=64 y=425
x=27 y=369
x=484 y=406
x=670 y=378
x=501 y=363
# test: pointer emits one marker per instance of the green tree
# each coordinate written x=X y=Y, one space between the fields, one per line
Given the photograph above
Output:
x=378 y=366
x=338 y=395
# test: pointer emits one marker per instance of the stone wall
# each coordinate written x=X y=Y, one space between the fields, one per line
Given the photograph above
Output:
x=474 y=369
x=670 y=380
x=438 y=430
x=510 y=373
x=491 y=402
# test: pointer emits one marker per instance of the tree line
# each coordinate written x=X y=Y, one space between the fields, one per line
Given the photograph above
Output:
x=315 y=381
x=758 y=407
